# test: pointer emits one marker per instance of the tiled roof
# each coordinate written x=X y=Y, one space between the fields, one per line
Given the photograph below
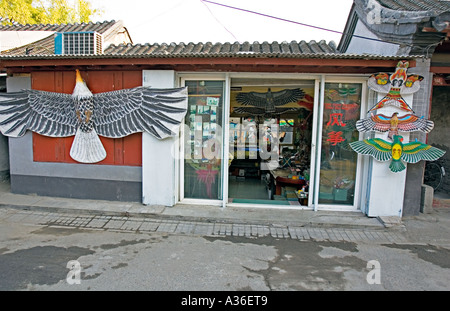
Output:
x=46 y=46
x=44 y=49
x=227 y=49
x=402 y=22
x=293 y=49
x=99 y=27
x=437 y=6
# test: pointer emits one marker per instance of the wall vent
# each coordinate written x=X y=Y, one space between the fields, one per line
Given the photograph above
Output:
x=78 y=43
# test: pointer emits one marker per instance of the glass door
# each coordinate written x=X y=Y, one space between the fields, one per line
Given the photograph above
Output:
x=203 y=140
x=270 y=141
x=338 y=162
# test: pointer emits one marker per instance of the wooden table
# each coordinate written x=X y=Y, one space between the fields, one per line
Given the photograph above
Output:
x=281 y=179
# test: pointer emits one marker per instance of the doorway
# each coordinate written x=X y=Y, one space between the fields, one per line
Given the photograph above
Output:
x=270 y=136
x=272 y=141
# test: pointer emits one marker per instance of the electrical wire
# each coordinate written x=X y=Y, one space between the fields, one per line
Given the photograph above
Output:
x=153 y=18
x=297 y=23
x=212 y=14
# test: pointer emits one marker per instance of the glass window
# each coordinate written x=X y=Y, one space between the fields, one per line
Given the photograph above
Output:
x=338 y=160
x=203 y=140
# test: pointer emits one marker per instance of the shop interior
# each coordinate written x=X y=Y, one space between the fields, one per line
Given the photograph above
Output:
x=270 y=141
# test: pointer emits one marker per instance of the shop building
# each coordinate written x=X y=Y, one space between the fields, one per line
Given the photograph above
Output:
x=268 y=125
x=234 y=148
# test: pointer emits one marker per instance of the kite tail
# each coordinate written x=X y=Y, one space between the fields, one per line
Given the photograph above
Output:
x=397 y=166
x=87 y=147
x=398 y=102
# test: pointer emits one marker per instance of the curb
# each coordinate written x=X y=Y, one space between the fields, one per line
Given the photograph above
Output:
x=204 y=218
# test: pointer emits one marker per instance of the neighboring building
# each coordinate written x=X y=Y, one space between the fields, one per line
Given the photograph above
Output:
x=229 y=152
x=419 y=29
x=40 y=39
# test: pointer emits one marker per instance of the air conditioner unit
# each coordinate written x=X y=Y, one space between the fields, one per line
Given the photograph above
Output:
x=78 y=43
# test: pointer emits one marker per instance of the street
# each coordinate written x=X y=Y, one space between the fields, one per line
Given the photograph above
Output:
x=44 y=251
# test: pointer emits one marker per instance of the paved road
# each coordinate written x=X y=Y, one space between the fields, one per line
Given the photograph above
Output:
x=131 y=253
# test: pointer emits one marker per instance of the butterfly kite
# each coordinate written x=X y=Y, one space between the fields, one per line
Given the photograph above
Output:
x=394 y=86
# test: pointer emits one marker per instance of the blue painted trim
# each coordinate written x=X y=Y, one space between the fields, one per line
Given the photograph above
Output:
x=58 y=43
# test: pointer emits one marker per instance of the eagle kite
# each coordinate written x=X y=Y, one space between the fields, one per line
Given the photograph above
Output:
x=112 y=114
x=394 y=124
x=268 y=104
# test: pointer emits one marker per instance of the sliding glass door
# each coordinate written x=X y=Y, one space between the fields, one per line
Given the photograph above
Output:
x=313 y=165
x=203 y=140
x=338 y=162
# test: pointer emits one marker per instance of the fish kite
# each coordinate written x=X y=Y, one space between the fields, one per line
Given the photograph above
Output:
x=112 y=114
x=394 y=86
x=394 y=124
x=396 y=151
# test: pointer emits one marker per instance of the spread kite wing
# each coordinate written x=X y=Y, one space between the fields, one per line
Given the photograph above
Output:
x=405 y=123
x=250 y=110
x=252 y=99
x=411 y=84
x=124 y=112
x=415 y=151
x=379 y=123
x=279 y=98
x=377 y=148
x=260 y=111
x=381 y=83
x=47 y=113
x=411 y=123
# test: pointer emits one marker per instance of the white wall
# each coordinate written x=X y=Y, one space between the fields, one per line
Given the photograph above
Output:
x=387 y=188
x=158 y=163
x=361 y=46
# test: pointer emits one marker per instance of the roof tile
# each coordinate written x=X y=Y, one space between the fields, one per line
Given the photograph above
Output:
x=226 y=49
x=437 y=6
x=99 y=27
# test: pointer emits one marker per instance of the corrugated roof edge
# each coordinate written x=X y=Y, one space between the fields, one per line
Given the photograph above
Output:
x=218 y=55
x=292 y=47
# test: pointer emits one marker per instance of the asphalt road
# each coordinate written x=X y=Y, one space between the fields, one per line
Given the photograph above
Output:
x=41 y=255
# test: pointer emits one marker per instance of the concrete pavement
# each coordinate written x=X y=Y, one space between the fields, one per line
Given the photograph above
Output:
x=130 y=246
x=433 y=228
x=238 y=215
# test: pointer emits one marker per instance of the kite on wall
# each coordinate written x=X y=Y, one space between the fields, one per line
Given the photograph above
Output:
x=112 y=114
x=268 y=104
x=397 y=151
x=394 y=86
x=394 y=124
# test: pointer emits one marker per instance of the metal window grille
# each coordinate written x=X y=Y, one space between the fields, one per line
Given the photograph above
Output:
x=77 y=43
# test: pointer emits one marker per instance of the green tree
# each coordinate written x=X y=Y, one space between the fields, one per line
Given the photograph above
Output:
x=46 y=11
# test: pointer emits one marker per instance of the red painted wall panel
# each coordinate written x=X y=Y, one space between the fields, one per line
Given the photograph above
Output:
x=120 y=151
